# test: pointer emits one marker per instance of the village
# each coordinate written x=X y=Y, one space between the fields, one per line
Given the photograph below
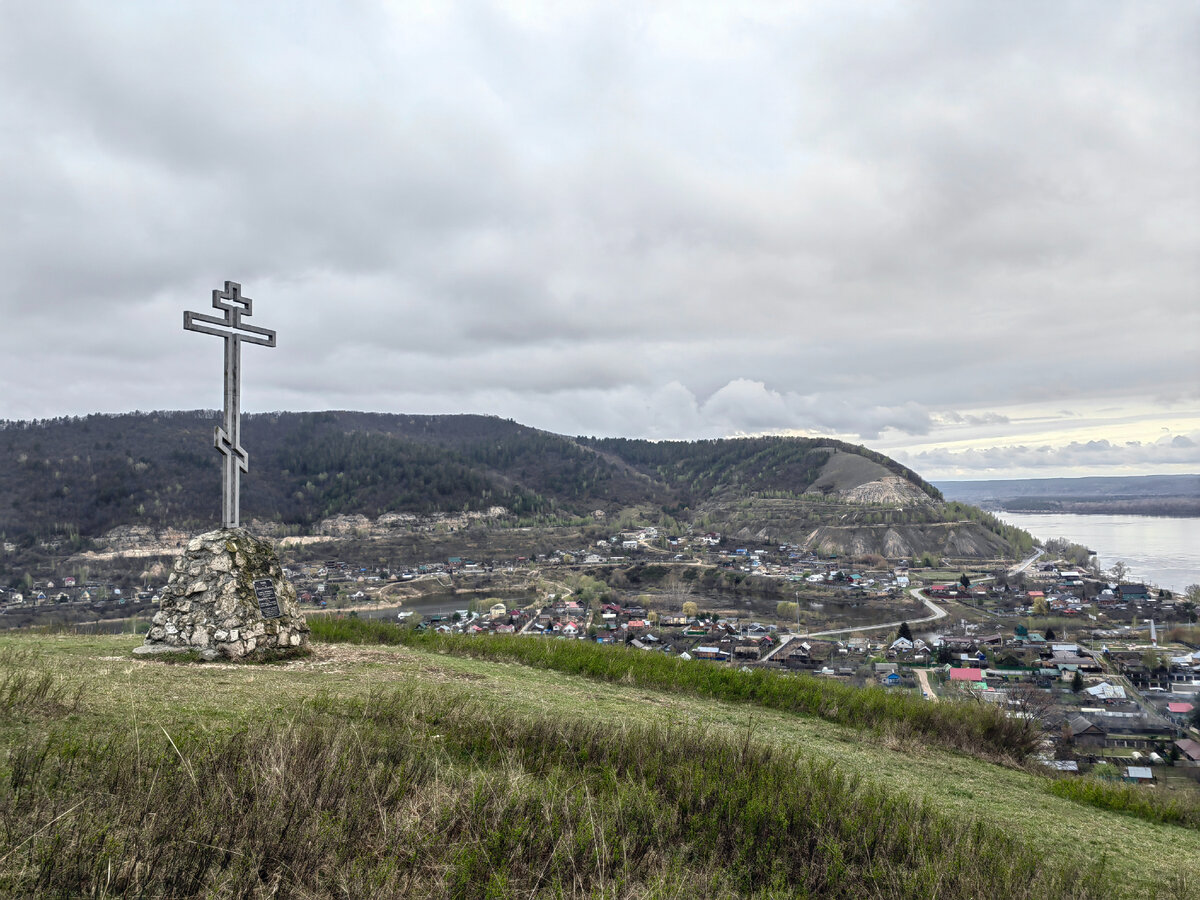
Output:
x=1121 y=691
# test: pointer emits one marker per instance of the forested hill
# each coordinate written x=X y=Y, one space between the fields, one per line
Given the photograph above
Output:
x=747 y=465
x=87 y=475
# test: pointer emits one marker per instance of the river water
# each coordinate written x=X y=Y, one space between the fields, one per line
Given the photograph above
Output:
x=1158 y=550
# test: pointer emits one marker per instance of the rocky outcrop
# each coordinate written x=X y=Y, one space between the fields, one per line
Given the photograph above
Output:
x=226 y=597
x=133 y=541
x=890 y=490
x=961 y=540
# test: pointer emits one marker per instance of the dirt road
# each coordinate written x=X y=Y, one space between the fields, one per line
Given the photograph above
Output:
x=923 y=677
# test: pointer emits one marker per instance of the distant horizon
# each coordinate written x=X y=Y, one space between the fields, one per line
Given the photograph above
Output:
x=1072 y=477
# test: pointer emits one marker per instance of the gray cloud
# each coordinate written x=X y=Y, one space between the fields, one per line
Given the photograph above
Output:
x=1094 y=455
x=673 y=222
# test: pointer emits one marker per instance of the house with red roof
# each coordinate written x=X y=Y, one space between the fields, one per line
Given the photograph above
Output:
x=1180 y=712
x=967 y=676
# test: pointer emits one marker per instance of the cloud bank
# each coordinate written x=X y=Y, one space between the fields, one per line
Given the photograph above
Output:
x=688 y=220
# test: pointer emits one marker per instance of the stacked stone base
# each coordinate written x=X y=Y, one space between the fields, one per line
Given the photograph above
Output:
x=209 y=605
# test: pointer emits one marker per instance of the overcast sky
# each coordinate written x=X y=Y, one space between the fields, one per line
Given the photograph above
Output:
x=965 y=234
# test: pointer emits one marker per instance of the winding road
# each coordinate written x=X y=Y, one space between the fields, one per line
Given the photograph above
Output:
x=936 y=613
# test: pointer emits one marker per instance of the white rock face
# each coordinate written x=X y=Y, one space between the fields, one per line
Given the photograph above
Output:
x=209 y=604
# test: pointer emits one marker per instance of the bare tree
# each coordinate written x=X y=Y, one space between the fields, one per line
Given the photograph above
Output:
x=1031 y=703
x=676 y=591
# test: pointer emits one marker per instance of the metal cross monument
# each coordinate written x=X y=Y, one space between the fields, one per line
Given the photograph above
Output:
x=228 y=440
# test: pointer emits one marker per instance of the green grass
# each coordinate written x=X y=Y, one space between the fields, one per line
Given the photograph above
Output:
x=486 y=743
x=980 y=729
x=420 y=792
x=1135 y=800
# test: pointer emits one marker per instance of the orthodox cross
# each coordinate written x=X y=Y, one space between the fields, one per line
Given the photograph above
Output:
x=228 y=439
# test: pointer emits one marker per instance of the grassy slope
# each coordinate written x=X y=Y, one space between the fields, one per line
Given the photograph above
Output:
x=212 y=698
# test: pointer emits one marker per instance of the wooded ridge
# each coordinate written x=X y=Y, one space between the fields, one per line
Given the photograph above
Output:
x=82 y=476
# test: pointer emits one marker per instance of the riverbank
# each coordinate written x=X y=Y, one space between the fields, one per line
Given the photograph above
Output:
x=1159 y=550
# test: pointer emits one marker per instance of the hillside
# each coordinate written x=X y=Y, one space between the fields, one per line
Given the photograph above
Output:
x=77 y=479
x=399 y=772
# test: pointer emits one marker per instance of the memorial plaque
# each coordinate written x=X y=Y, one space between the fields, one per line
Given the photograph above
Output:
x=268 y=603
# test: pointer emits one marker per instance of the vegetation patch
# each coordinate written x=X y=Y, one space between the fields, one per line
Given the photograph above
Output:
x=1134 y=800
x=420 y=792
x=26 y=692
x=981 y=730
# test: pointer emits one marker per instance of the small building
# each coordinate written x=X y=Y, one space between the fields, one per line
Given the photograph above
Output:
x=968 y=676
x=1106 y=691
x=1180 y=712
x=1064 y=765
x=1139 y=774
x=1086 y=733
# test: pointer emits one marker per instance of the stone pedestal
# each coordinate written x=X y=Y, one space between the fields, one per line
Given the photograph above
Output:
x=211 y=603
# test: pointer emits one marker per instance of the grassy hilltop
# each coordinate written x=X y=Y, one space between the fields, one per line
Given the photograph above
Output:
x=428 y=771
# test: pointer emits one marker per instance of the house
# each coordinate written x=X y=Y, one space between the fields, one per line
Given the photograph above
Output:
x=1128 y=592
x=709 y=653
x=1139 y=774
x=1180 y=712
x=969 y=676
x=891 y=679
x=1086 y=734
x=1190 y=749
x=1106 y=691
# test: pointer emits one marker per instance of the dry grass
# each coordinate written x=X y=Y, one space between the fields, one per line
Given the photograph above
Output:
x=206 y=702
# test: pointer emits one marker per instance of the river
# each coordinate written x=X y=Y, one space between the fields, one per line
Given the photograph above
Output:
x=1157 y=549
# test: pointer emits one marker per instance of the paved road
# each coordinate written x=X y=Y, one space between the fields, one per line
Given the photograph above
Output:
x=783 y=642
x=1022 y=566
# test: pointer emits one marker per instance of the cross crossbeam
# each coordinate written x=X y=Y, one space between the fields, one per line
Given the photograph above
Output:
x=227 y=438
